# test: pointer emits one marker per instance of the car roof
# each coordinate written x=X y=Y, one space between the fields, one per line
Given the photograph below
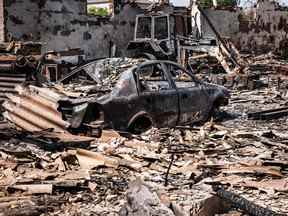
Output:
x=148 y=62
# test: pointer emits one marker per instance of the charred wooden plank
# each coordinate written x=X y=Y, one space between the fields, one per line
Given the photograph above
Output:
x=268 y=114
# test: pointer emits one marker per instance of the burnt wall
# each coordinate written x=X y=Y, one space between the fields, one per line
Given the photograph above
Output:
x=266 y=31
x=226 y=22
x=64 y=24
x=21 y=19
x=260 y=29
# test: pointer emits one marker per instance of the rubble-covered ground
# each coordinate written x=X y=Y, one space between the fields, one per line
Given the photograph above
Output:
x=164 y=171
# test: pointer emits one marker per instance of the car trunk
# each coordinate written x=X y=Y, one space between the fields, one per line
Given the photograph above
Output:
x=62 y=106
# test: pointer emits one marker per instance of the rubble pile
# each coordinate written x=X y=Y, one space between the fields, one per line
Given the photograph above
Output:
x=256 y=72
x=217 y=168
x=17 y=61
x=59 y=155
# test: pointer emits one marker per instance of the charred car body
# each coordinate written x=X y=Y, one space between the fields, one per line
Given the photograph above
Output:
x=149 y=93
x=134 y=95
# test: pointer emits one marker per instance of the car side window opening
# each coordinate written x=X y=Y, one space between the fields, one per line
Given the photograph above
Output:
x=181 y=78
x=152 y=78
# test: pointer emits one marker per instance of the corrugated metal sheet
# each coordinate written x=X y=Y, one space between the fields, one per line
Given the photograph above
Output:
x=9 y=79
x=3 y=125
x=8 y=82
x=35 y=109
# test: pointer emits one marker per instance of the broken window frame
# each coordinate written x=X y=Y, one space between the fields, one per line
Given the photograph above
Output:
x=48 y=72
x=164 y=70
x=153 y=28
x=193 y=79
x=79 y=69
x=158 y=30
x=137 y=28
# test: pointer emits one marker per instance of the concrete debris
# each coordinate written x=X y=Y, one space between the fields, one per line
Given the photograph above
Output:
x=244 y=204
x=133 y=174
x=142 y=201
x=15 y=68
x=115 y=175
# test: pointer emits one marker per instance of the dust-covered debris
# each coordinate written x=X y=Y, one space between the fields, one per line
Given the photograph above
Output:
x=234 y=164
x=244 y=157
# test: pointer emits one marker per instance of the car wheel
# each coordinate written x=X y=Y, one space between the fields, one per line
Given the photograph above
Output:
x=210 y=114
x=216 y=112
x=140 y=125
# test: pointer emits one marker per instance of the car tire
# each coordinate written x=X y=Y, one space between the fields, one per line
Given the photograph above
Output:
x=215 y=111
x=140 y=125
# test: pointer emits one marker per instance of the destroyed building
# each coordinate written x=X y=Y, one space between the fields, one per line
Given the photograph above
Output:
x=61 y=156
x=61 y=25
x=259 y=29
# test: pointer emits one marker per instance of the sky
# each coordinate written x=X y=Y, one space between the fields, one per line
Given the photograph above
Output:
x=186 y=2
x=181 y=2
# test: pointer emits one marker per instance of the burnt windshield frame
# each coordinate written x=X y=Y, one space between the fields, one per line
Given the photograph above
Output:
x=160 y=23
x=152 y=29
x=153 y=63
x=144 y=27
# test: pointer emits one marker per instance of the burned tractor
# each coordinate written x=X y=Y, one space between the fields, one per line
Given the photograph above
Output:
x=170 y=36
x=155 y=35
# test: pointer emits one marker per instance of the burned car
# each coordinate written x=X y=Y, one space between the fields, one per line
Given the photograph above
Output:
x=132 y=95
x=137 y=95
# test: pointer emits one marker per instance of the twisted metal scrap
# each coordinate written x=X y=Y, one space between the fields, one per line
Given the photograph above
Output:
x=244 y=204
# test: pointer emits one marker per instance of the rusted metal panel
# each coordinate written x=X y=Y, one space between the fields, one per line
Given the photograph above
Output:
x=35 y=109
x=7 y=58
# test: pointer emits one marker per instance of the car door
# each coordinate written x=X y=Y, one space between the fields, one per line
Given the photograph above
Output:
x=157 y=95
x=193 y=100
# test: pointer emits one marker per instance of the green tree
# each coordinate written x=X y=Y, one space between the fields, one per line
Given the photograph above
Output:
x=206 y=3
x=227 y=2
x=209 y=3
x=95 y=11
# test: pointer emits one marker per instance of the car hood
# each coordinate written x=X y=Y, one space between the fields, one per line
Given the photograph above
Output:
x=214 y=88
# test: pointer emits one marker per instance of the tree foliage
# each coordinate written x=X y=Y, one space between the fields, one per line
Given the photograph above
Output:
x=97 y=11
x=225 y=3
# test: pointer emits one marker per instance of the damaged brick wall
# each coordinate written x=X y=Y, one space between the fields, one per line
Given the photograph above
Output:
x=21 y=19
x=64 y=24
x=67 y=26
x=259 y=29
x=268 y=31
